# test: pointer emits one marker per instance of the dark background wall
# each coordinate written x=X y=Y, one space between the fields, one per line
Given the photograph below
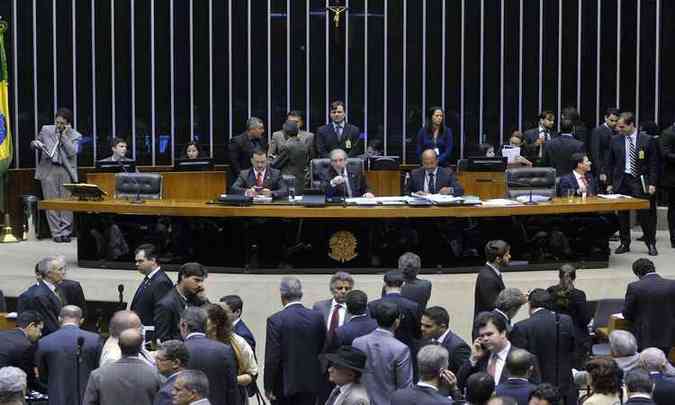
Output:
x=160 y=72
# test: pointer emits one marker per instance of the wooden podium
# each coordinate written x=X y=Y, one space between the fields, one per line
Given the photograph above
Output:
x=176 y=185
x=485 y=185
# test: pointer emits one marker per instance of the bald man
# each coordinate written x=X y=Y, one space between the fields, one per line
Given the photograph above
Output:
x=121 y=321
x=431 y=179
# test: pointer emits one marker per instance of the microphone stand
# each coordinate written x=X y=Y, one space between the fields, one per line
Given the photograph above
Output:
x=137 y=199
x=516 y=183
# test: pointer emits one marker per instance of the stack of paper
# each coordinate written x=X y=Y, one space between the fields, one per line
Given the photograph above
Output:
x=613 y=196
x=500 y=202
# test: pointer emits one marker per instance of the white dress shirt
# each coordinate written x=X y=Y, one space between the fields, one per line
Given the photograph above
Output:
x=426 y=180
x=581 y=183
x=342 y=313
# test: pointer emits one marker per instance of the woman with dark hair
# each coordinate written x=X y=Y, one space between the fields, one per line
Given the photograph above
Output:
x=604 y=379
x=435 y=135
x=192 y=151
x=219 y=327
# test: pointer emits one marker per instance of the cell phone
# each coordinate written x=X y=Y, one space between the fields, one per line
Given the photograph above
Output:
x=482 y=346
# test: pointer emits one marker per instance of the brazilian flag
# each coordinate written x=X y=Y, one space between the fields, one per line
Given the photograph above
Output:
x=5 y=135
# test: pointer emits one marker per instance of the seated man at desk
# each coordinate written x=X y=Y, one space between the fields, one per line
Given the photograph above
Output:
x=431 y=179
x=337 y=181
x=119 y=151
x=580 y=181
x=260 y=179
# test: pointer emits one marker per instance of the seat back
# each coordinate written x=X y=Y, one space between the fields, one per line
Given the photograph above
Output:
x=538 y=180
x=147 y=186
x=316 y=166
x=604 y=309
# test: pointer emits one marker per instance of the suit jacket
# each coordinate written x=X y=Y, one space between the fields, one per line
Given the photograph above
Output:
x=537 y=334
x=326 y=140
x=667 y=142
x=419 y=396
x=240 y=150
x=147 y=296
x=569 y=182
x=167 y=314
x=650 y=307
x=272 y=181
x=242 y=330
x=516 y=388
x=56 y=358
x=425 y=140
x=67 y=152
x=16 y=350
x=664 y=388
x=324 y=307
x=41 y=299
x=357 y=183
x=639 y=401
x=72 y=290
x=531 y=151
x=616 y=161
x=601 y=138
x=355 y=394
x=165 y=394
x=293 y=155
x=411 y=314
x=356 y=327
x=574 y=304
x=279 y=139
x=481 y=366
x=388 y=366
x=488 y=287
x=217 y=360
x=126 y=381
x=458 y=350
x=444 y=178
x=558 y=153
x=417 y=290
x=295 y=338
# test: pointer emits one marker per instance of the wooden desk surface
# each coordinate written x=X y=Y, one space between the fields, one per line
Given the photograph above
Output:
x=199 y=208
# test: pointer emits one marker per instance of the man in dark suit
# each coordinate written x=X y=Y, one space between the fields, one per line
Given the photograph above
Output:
x=45 y=298
x=71 y=291
x=153 y=288
x=435 y=327
x=334 y=310
x=338 y=181
x=295 y=337
x=431 y=179
x=520 y=366
x=414 y=288
x=550 y=337
x=338 y=134
x=558 y=152
x=359 y=324
x=639 y=387
x=667 y=179
x=432 y=363
x=580 y=180
x=191 y=388
x=241 y=147
x=16 y=345
x=654 y=361
x=56 y=358
x=260 y=179
x=536 y=138
x=650 y=307
x=489 y=282
x=601 y=138
x=189 y=291
x=217 y=360
x=236 y=305
x=632 y=170
x=129 y=380
x=172 y=357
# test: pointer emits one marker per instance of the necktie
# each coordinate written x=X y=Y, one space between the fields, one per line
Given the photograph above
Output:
x=584 y=184
x=338 y=130
x=59 y=293
x=432 y=184
x=141 y=288
x=348 y=188
x=258 y=179
x=492 y=365
x=333 y=396
x=633 y=158
x=334 y=320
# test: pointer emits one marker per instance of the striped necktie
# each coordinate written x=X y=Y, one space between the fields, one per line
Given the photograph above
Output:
x=632 y=151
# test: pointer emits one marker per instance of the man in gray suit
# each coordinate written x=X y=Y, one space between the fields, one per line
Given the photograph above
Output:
x=293 y=155
x=59 y=144
x=346 y=369
x=129 y=380
x=334 y=310
x=388 y=367
x=279 y=138
x=191 y=388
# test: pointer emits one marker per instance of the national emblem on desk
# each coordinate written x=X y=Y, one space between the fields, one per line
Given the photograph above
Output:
x=342 y=246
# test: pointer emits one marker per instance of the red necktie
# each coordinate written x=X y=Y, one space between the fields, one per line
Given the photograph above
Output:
x=334 y=320
x=258 y=179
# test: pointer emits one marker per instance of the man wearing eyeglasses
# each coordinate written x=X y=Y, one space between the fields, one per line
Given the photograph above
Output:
x=340 y=181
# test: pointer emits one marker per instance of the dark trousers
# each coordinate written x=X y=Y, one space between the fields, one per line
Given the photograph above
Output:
x=632 y=186
x=671 y=213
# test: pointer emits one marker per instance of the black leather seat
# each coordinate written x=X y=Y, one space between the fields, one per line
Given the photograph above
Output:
x=316 y=166
x=147 y=186
x=538 y=180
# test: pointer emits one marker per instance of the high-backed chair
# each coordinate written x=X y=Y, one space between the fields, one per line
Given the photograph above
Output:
x=147 y=186
x=316 y=166
x=538 y=180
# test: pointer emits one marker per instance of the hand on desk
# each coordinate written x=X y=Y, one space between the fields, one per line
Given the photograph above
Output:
x=369 y=195
x=252 y=193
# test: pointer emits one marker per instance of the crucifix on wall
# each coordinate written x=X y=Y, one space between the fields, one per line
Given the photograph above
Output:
x=337 y=11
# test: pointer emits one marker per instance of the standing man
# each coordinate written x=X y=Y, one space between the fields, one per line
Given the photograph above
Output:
x=558 y=152
x=241 y=147
x=295 y=338
x=435 y=327
x=435 y=377
x=236 y=305
x=536 y=138
x=59 y=144
x=56 y=358
x=338 y=134
x=279 y=138
x=334 y=310
x=632 y=170
x=172 y=357
x=489 y=282
x=121 y=321
x=153 y=288
x=601 y=137
x=17 y=345
x=359 y=324
x=667 y=140
x=45 y=298
x=414 y=288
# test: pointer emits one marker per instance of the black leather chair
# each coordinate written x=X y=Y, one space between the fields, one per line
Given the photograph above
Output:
x=538 y=180
x=147 y=186
x=316 y=166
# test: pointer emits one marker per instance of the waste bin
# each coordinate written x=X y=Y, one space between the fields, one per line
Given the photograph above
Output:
x=31 y=220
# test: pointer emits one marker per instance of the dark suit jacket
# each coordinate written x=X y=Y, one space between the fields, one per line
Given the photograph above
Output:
x=650 y=307
x=444 y=178
x=488 y=287
x=240 y=150
x=558 y=153
x=537 y=334
x=419 y=396
x=517 y=389
x=417 y=290
x=664 y=389
x=667 y=141
x=217 y=360
x=352 y=329
x=326 y=140
x=601 y=138
x=242 y=330
x=531 y=148
x=16 y=350
x=411 y=314
x=295 y=337
x=167 y=314
x=165 y=394
x=357 y=183
x=272 y=181
x=74 y=294
x=55 y=359
x=569 y=182
x=425 y=140
x=574 y=304
x=639 y=401
x=146 y=298
x=41 y=299
x=458 y=350
x=481 y=366
x=616 y=161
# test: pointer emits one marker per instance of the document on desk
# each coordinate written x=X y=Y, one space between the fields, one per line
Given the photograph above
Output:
x=500 y=202
x=394 y=200
x=440 y=198
x=613 y=196
x=361 y=201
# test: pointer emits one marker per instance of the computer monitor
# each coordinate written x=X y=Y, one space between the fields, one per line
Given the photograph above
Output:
x=199 y=164
x=112 y=166
x=486 y=164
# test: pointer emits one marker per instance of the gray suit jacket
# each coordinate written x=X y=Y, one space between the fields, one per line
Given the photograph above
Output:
x=126 y=381
x=356 y=394
x=272 y=181
x=67 y=152
x=323 y=306
x=279 y=139
x=388 y=367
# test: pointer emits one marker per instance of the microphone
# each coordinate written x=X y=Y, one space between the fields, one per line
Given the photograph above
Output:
x=120 y=292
